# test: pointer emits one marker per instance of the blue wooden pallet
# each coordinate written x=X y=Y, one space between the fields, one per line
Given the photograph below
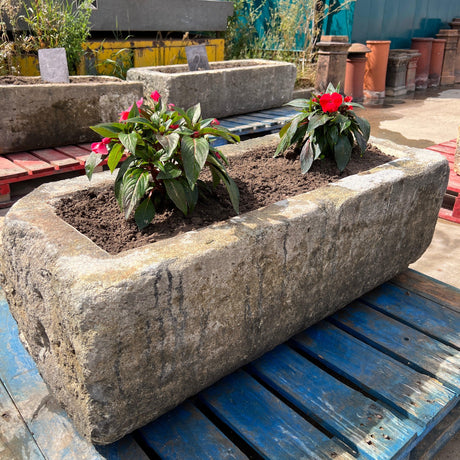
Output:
x=263 y=122
x=373 y=381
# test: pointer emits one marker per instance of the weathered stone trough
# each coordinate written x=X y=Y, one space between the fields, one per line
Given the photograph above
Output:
x=42 y=115
x=228 y=88
x=121 y=339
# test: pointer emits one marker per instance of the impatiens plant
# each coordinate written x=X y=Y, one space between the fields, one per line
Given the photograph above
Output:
x=326 y=126
x=166 y=149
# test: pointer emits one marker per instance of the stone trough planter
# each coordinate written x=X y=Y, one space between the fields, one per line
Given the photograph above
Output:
x=121 y=339
x=35 y=115
x=228 y=88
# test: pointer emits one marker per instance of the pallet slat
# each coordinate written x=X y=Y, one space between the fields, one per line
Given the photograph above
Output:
x=407 y=345
x=185 y=433
x=364 y=425
x=29 y=162
x=417 y=396
x=267 y=424
x=430 y=288
x=57 y=159
x=9 y=170
x=433 y=319
x=75 y=151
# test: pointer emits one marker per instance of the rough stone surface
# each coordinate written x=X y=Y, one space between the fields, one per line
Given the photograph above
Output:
x=229 y=88
x=122 y=339
x=53 y=114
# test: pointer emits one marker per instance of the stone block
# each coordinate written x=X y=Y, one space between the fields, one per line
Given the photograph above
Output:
x=47 y=115
x=121 y=339
x=228 y=88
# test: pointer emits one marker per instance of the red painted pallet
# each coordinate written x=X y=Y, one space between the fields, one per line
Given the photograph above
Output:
x=22 y=166
x=451 y=206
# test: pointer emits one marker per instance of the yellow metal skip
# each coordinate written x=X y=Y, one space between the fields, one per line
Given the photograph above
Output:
x=107 y=57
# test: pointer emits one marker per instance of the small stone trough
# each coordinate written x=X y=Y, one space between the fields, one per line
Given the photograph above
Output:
x=228 y=88
x=121 y=339
x=42 y=115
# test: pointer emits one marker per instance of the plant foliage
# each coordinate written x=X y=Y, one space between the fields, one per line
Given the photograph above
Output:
x=326 y=126
x=167 y=148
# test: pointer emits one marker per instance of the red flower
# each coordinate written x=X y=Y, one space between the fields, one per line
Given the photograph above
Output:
x=314 y=99
x=155 y=96
x=106 y=140
x=348 y=99
x=215 y=122
x=218 y=156
x=331 y=102
x=139 y=103
x=99 y=147
x=173 y=126
x=350 y=107
x=171 y=106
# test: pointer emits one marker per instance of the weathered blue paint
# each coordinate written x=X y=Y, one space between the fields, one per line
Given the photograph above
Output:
x=267 y=424
x=402 y=342
x=400 y=20
x=364 y=425
x=186 y=433
x=417 y=396
x=429 y=317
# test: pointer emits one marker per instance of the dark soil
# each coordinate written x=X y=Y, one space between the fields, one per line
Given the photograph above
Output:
x=18 y=80
x=261 y=179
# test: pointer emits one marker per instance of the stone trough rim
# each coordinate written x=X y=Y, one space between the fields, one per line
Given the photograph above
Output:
x=160 y=251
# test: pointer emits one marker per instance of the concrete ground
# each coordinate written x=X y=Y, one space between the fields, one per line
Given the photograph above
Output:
x=420 y=120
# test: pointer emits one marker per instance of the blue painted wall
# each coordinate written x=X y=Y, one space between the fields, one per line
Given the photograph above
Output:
x=400 y=20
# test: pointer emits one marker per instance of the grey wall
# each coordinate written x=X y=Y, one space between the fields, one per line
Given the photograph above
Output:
x=161 y=15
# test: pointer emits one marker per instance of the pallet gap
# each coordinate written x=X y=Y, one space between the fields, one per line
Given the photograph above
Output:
x=226 y=430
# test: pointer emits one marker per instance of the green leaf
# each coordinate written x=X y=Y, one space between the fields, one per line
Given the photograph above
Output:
x=116 y=152
x=364 y=126
x=306 y=157
x=285 y=128
x=140 y=120
x=342 y=152
x=362 y=143
x=286 y=140
x=119 y=180
x=231 y=187
x=332 y=89
x=129 y=141
x=169 y=143
x=108 y=129
x=134 y=186
x=144 y=213
x=316 y=121
x=169 y=172
x=194 y=154
x=91 y=162
x=194 y=113
x=192 y=195
x=176 y=192
x=299 y=103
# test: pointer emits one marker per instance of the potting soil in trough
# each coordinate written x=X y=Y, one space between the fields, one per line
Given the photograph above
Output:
x=261 y=179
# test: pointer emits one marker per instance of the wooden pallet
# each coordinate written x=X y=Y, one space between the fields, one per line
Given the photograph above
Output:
x=377 y=380
x=451 y=206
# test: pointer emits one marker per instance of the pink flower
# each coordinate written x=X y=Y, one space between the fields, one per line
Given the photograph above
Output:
x=215 y=122
x=155 y=96
x=124 y=115
x=139 y=103
x=348 y=99
x=314 y=99
x=99 y=147
x=330 y=102
x=171 y=106
x=106 y=140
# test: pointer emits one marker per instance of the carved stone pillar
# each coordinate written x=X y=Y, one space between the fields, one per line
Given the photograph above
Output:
x=332 y=61
x=450 y=55
x=398 y=61
x=412 y=69
x=455 y=24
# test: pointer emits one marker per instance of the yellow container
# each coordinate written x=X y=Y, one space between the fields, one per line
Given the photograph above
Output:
x=115 y=57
